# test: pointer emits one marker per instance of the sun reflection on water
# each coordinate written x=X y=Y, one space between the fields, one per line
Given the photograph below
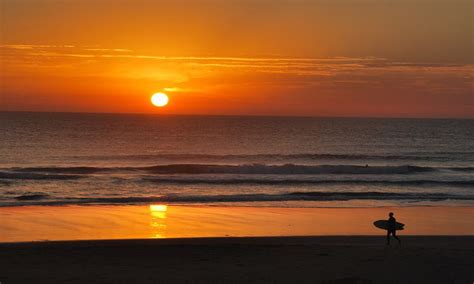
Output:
x=158 y=220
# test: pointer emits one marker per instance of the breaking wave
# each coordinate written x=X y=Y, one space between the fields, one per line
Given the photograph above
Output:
x=292 y=196
x=426 y=156
x=32 y=196
x=262 y=169
x=189 y=181
x=287 y=169
x=37 y=176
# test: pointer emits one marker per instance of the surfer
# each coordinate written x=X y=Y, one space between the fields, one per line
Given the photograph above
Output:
x=392 y=222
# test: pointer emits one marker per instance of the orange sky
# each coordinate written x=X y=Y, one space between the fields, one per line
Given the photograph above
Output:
x=408 y=58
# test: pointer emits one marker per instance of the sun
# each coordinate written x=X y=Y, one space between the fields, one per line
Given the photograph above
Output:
x=159 y=99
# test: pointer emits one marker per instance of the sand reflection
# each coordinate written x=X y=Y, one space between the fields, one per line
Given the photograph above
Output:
x=158 y=220
x=33 y=223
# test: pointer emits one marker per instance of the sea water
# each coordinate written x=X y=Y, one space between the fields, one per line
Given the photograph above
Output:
x=66 y=158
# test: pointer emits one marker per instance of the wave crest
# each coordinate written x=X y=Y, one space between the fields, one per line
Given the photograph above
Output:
x=291 y=196
x=256 y=181
x=427 y=156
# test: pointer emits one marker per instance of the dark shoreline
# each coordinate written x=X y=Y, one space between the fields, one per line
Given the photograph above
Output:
x=328 y=259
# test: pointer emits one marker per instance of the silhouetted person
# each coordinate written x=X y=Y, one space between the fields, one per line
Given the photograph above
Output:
x=392 y=223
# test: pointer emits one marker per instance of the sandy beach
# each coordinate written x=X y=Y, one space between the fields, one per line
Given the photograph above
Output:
x=205 y=244
x=241 y=260
x=156 y=221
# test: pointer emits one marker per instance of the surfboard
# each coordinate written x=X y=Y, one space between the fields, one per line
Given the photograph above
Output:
x=383 y=224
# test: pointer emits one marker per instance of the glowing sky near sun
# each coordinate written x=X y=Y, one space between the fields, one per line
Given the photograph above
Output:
x=410 y=58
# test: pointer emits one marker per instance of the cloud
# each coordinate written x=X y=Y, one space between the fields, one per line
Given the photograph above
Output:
x=108 y=49
x=282 y=65
x=334 y=74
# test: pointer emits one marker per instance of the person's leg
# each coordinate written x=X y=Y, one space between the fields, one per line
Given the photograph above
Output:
x=388 y=237
x=396 y=237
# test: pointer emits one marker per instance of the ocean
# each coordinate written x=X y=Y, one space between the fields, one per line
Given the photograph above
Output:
x=68 y=158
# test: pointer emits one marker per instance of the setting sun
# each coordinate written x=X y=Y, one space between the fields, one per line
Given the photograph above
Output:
x=159 y=99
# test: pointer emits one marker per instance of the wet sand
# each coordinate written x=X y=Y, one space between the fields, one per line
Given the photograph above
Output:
x=40 y=223
x=345 y=259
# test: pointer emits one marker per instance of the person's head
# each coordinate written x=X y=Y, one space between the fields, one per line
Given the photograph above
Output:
x=390 y=214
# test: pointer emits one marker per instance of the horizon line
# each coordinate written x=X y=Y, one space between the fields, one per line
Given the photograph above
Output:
x=239 y=115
